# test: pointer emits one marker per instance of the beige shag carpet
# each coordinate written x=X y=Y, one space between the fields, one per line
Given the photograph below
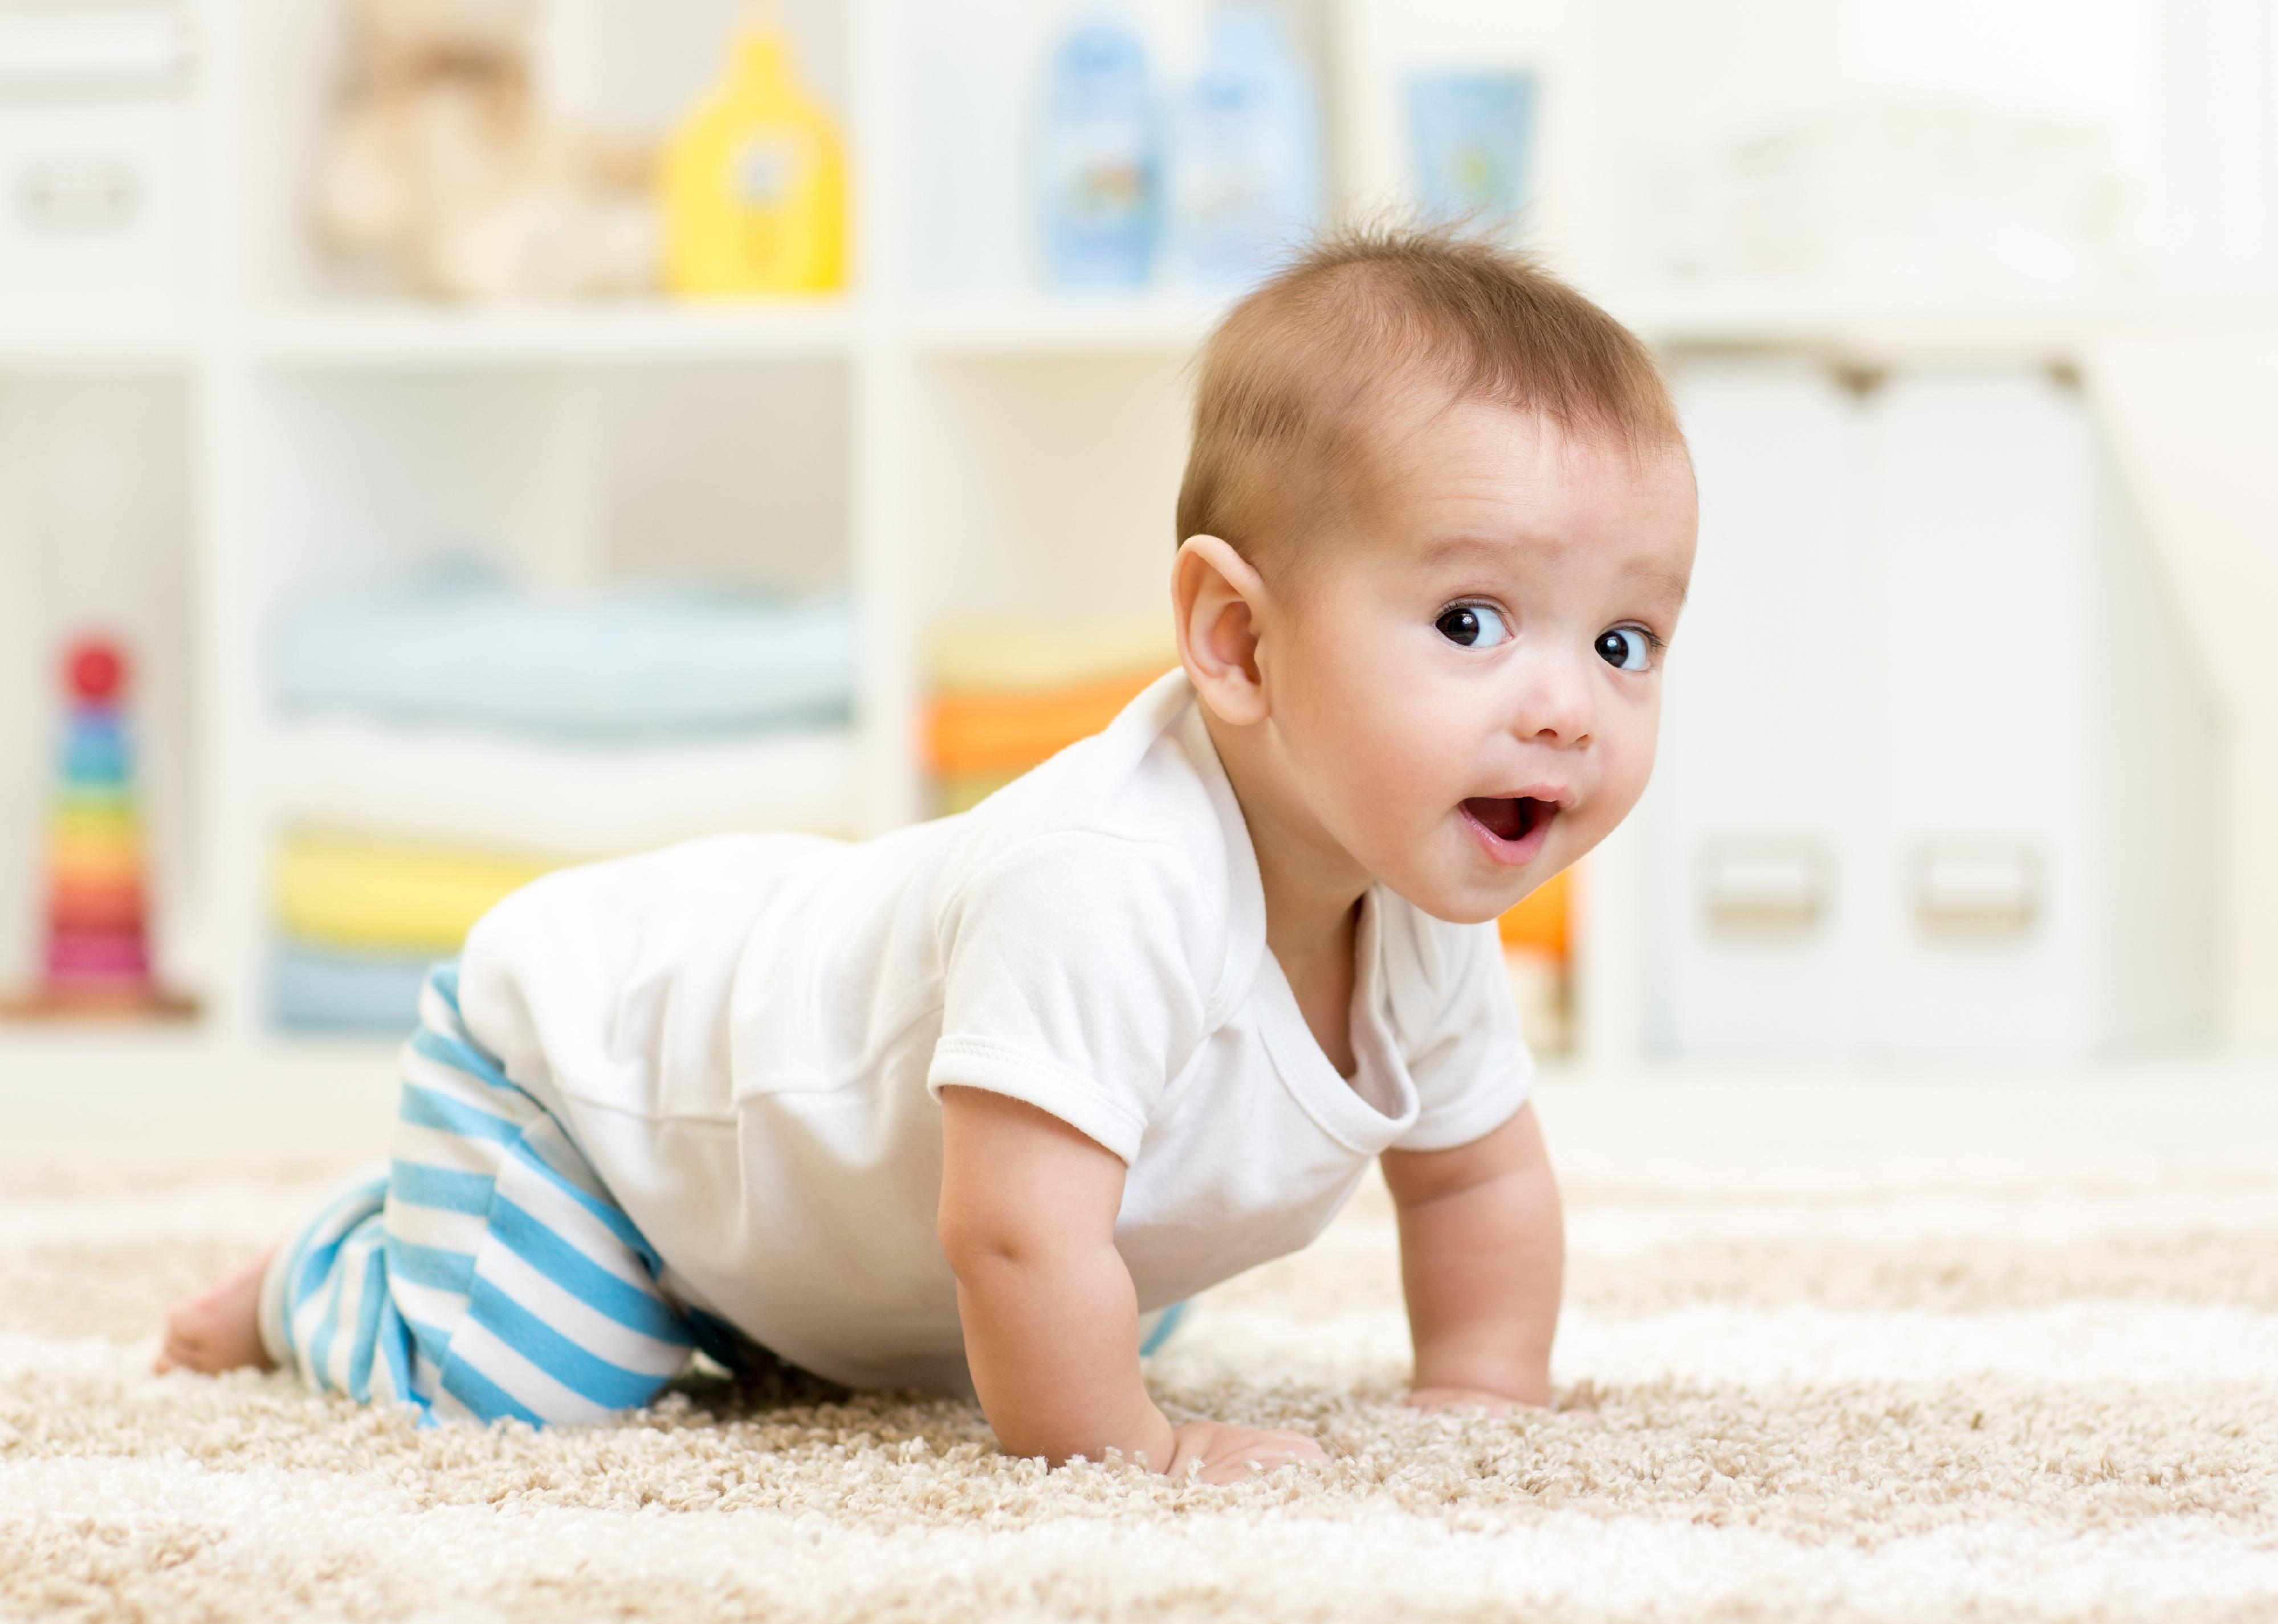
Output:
x=2022 y=1395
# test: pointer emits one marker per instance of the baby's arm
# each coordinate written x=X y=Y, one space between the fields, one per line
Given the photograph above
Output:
x=1052 y=1320
x=1482 y=1255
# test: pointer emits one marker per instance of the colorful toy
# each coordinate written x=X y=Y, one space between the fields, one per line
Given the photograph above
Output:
x=97 y=955
x=446 y=171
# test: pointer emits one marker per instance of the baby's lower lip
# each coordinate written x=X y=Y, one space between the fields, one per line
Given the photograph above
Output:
x=1511 y=829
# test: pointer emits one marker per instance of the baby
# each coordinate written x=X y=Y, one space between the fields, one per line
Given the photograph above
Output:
x=970 y=1106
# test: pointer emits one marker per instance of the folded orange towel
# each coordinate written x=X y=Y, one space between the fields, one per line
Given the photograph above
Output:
x=1540 y=922
x=1000 y=732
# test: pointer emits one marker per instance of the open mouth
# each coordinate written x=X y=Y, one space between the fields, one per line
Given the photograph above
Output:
x=1512 y=827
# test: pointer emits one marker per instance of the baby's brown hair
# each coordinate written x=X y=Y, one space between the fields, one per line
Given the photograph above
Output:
x=1298 y=371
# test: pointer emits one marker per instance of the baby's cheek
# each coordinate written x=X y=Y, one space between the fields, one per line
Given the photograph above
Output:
x=1625 y=767
x=1420 y=749
x=1383 y=773
x=1400 y=746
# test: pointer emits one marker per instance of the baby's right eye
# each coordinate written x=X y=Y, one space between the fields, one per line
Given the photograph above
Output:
x=1473 y=625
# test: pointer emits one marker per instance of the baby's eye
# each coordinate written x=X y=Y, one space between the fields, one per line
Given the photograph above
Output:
x=1473 y=626
x=1627 y=648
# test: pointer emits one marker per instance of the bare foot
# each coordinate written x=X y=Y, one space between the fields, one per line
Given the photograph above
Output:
x=219 y=1330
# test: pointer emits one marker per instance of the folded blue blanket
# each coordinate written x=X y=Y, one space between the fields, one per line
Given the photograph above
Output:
x=322 y=989
x=468 y=648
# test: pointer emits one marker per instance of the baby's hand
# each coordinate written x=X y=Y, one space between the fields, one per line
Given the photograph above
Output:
x=1232 y=1454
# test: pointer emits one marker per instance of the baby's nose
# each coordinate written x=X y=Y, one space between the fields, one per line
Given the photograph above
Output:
x=1553 y=705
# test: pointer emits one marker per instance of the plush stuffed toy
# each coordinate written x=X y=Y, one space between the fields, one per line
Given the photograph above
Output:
x=446 y=171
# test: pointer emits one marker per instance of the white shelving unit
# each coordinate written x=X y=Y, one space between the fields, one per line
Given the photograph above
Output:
x=387 y=337
x=939 y=439
x=934 y=454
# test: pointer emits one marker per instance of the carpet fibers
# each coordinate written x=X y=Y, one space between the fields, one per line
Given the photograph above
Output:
x=2004 y=1396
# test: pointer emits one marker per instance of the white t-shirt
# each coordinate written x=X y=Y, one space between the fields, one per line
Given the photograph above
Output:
x=747 y=1034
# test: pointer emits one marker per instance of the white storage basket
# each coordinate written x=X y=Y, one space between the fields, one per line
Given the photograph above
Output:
x=94 y=170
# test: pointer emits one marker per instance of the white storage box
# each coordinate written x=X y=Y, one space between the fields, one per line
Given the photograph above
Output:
x=1937 y=768
x=1750 y=868
x=94 y=165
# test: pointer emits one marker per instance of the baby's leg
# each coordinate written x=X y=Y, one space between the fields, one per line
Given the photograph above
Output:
x=220 y=1329
x=239 y=1322
x=485 y=1272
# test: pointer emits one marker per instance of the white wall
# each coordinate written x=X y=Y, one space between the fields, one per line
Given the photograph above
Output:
x=2192 y=415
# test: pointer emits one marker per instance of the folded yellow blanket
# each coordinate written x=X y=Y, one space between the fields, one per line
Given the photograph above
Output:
x=968 y=733
x=344 y=892
x=994 y=656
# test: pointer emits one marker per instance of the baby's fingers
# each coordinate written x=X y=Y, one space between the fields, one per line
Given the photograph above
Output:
x=1225 y=1474
x=1269 y=1452
x=1300 y=1447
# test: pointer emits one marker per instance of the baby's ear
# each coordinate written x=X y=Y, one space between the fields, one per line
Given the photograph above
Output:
x=1217 y=597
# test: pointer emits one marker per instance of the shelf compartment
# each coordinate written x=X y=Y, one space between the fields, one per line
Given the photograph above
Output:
x=1048 y=484
x=93 y=490
x=563 y=475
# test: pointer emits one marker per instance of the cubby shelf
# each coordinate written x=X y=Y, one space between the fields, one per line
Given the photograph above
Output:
x=957 y=452
x=1046 y=327
x=404 y=335
x=1917 y=326
x=382 y=335
x=400 y=335
x=93 y=341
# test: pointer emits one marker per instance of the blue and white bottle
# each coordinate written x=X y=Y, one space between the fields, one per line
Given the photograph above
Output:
x=1099 y=160
x=1246 y=177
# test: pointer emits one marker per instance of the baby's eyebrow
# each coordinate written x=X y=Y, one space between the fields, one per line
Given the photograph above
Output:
x=1677 y=586
x=1447 y=549
x=1464 y=545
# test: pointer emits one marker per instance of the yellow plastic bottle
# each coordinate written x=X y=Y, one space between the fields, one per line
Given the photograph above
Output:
x=755 y=179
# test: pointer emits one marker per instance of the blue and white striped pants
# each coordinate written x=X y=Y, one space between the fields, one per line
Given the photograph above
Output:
x=484 y=1273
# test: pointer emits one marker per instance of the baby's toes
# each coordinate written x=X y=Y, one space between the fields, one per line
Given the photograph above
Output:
x=190 y=1342
x=177 y=1345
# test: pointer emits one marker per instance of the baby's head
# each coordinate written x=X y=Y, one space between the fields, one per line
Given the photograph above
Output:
x=1436 y=529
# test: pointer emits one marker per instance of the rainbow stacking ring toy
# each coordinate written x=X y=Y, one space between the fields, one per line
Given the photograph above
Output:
x=97 y=955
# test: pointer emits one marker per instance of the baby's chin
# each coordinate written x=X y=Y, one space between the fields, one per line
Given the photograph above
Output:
x=1462 y=887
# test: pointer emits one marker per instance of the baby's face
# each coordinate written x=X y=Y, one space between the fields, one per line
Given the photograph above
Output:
x=1468 y=689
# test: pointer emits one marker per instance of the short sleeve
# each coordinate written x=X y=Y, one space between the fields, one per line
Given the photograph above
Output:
x=1069 y=982
x=1457 y=1024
